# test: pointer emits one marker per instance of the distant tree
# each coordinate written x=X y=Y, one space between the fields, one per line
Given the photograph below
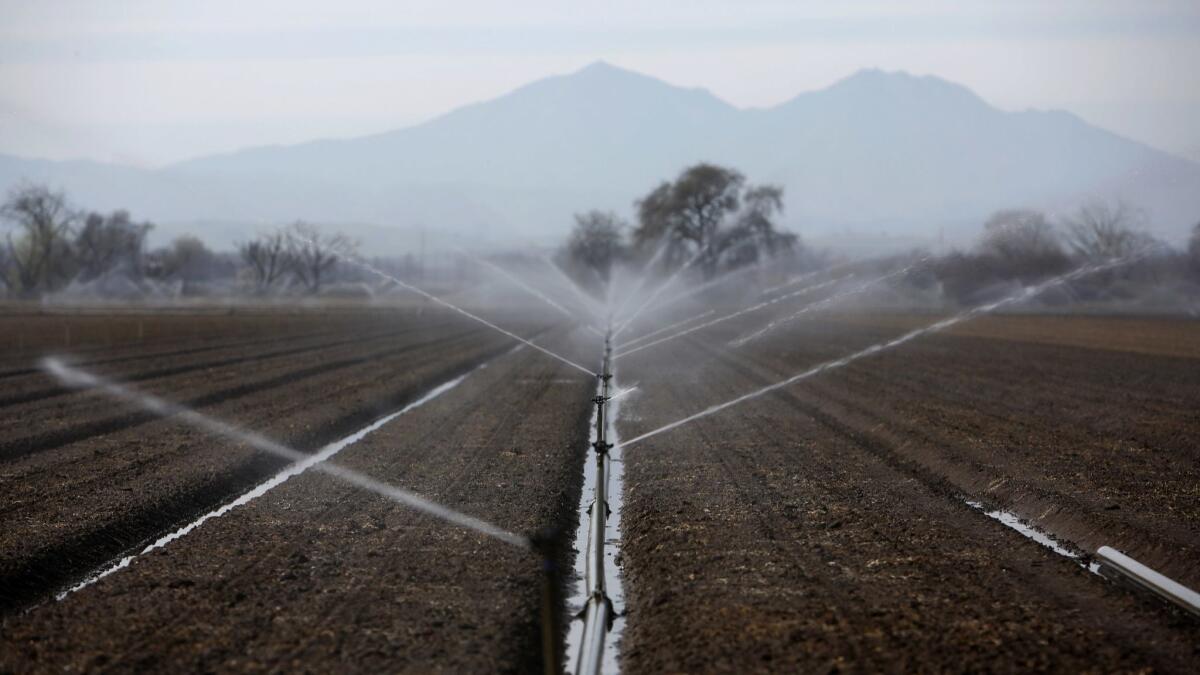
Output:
x=39 y=257
x=700 y=211
x=1021 y=243
x=1102 y=230
x=313 y=255
x=596 y=242
x=187 y=260
x=105 y=242
x=267 y=257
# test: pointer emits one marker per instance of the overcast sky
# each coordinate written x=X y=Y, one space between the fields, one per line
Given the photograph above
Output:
x=150 y=82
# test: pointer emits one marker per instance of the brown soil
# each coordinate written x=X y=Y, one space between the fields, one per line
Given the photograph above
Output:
x=93 y=479
x=316 y=576
x=824 y=526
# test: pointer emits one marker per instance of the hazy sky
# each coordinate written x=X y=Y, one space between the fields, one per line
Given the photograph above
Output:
x=149 y=82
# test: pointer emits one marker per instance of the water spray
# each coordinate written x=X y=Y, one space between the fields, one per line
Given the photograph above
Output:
x=724 y=279
x=425 y=294
x=658 y=291
x=81 y=379
x=833 y=299
x=623 y=392
x=792 y=282
x=677 y=324
x=727 y=317
x=516 y=281
x=645 y=273
x=1025 y=294
x=586 y=299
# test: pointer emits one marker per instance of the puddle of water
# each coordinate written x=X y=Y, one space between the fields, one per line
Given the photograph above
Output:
x=612 y=542
x=263 y=488
x=1013 y=521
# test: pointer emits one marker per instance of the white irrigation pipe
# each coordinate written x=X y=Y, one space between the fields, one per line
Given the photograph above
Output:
x=1115 y=562
x=598 y=612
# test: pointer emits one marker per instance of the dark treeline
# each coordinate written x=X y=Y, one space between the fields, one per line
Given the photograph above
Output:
x=49 y=246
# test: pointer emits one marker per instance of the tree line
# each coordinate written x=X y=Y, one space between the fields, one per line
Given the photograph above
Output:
x=710 y=217
x=1026 y=246
x=49 y=245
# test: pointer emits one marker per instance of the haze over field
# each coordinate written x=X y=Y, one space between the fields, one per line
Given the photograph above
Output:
x=887 y=155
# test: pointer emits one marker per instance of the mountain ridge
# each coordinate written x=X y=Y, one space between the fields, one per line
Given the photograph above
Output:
x=912 y=155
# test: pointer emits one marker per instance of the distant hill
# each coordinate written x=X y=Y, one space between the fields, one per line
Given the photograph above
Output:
x=884 y=155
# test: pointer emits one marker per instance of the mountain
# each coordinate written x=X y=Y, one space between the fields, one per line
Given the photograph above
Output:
x=876 y=154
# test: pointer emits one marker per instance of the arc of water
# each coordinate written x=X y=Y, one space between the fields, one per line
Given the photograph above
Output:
x=792 y=282
x=1025 y=294
x=627 y=390
x=645 y=274
x=81 y=379
x=449 y=305
x=721 y=280
x=677 y=324
x=587 y=300
x=658 y=291
x=727 y=317
x=519 y=283
x=862 y=288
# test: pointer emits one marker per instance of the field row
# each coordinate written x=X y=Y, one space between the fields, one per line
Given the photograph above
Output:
x=92 y=479
x=825 y=525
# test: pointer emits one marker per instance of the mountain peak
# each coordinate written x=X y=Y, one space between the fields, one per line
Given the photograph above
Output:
x=601 y=82
x=875 y=84
x=601 y=66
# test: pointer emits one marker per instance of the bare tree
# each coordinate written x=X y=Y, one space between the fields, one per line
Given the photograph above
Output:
x=104 y=242
x=754 y=230
x=267 y=257
x=595 y=242
x=701 y=209
x=39 y=258
x=1023 y=244
x=1102 y=230
x=314 y=255
x=692 y=209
